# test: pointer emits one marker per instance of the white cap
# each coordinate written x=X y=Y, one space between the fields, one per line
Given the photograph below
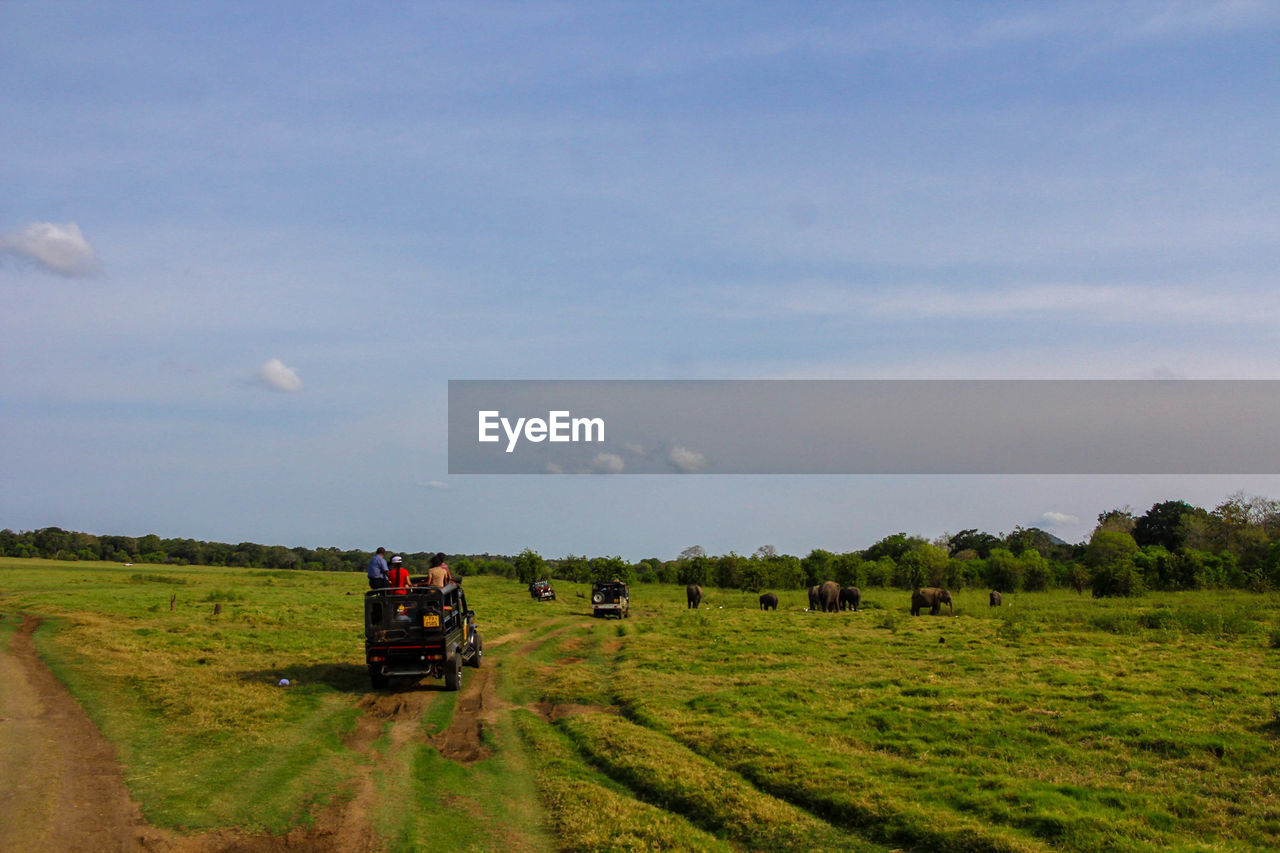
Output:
x=396 y=559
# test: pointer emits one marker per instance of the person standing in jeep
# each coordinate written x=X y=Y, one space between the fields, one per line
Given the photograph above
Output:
x=377 y=570
x=439 y=574
x=398 y=576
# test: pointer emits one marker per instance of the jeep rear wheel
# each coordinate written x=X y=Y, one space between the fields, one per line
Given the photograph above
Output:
x=377 y=679
x=453 y=672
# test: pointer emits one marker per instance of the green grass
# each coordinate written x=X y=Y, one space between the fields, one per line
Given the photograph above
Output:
x=1056 y=722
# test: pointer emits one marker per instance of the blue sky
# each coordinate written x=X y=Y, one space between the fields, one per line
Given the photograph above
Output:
x=244 y=247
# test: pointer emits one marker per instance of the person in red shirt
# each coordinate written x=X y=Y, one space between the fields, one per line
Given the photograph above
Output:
x=398 y=576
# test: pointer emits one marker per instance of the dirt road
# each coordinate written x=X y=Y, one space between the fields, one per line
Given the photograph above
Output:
x=61 y=786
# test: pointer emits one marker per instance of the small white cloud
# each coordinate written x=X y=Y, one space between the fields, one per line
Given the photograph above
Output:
x=1059 y=519
x=632 y=447
x=686 y=460
x=278 y=377
x=435 y=484
x=57 y=248
x=607 y=463
x=553 y=468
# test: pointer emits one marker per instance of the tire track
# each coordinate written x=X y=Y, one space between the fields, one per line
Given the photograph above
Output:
x=62 y=786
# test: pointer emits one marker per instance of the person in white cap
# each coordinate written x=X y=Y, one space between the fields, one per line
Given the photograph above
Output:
x=398 y=577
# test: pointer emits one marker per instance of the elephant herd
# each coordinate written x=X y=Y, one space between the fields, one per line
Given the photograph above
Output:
x=830 y=597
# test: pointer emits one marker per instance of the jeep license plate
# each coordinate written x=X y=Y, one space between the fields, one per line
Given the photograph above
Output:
x=431 y=620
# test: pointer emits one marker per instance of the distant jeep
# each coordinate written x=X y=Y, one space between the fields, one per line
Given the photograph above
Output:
x=542 y=591
x=418 y=631
x=611 y=599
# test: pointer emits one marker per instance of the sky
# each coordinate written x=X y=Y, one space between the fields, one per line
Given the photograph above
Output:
x=244 y=247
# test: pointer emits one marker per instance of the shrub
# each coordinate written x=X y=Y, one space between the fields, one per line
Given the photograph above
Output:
x=1004 y=571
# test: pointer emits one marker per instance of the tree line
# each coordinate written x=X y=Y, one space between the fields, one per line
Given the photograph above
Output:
x=1172 y=546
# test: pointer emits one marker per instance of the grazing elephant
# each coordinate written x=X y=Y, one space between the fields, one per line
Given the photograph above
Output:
x=768 y=601
x=850 y=598
x=933 y=598
x=695 y=596
x=813 y=598
x=996 y=599
x=829 y=597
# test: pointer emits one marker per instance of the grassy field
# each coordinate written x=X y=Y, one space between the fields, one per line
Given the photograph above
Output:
x=1053 y=723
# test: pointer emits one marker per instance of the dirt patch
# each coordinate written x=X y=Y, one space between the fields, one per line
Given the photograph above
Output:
x=463 y=741
x=395 y=706
x=551 y=713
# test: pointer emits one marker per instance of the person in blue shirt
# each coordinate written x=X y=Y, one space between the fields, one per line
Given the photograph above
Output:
x=378 y=570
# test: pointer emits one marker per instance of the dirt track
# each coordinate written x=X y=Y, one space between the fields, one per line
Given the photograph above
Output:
x=61 y=786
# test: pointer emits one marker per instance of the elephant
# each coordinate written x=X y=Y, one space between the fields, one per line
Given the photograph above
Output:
x=996 y=599
x=813 y=598
x=850 y=598
x=694 y=594
x=829 y=597
x=768 y=601
x=933 y=598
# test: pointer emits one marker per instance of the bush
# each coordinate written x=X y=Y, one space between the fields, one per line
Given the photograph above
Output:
x=1117 y=579
x=1004 y=571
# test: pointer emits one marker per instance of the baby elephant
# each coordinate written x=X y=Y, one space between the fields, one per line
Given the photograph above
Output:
x=768 y=601
x=996 y=599
x=933 y=598
x=694 y=594
x=850 y=598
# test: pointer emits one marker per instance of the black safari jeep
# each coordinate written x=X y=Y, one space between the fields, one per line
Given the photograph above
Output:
x=610 y=599
x=542 y=591
x=422 y=630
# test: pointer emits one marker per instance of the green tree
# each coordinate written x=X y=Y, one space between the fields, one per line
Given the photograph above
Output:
x=893 y=547
x=1110 y=559
x=697 y=570
x=530 y=566
x=728 y=571
x=848 y=569
x=1004 y=571
x=576 y=569
x=1118 y=520
x=818 y=566
x=605 y=569
x=785 y=572
x=1165 y=524
x=1036 y=571
x=974 y=540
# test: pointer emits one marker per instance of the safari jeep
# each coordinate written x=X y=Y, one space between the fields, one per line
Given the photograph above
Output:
x=610 y=599
x=542 y=591
x=422 y=630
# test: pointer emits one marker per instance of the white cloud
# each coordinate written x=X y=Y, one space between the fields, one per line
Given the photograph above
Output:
x=686 y=460
x=435 y=484
x=607 y=463
x=553 y=468
x=278 y=377
x=1059 y=519
x=57 y=248
x=632 y=447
